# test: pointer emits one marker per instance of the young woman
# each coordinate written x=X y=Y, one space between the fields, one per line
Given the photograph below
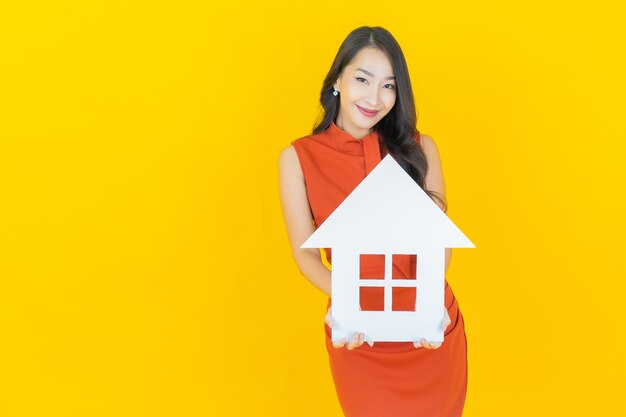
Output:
x=369 y=111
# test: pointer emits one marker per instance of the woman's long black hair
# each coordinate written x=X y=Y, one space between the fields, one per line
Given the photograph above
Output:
x=397 y=129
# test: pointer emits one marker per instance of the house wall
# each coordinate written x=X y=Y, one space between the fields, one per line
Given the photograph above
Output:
x=388 y=325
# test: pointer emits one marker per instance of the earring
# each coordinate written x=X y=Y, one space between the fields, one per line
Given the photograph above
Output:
x=335 y=92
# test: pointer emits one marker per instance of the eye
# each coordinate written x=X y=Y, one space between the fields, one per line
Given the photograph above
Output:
x=391 y=86
x=361 y=78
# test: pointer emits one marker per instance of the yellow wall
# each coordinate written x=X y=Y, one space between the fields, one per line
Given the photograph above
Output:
x=144 y=265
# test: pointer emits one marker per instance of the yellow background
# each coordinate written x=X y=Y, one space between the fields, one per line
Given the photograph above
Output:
x=144 y=264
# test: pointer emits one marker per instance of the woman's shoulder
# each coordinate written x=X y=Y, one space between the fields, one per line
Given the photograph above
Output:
x=425 y=140
x=301 y=150
x=291 y=149
x=287 y=154
x=310 y=138
x=308 y=144
x=427 y=143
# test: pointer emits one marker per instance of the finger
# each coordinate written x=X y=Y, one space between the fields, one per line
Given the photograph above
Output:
x=446 y=321
x=370 y=343
x=355 y=339
x=421 y=343
x=361 y=339
x=329 y=318
x=432 y=345
x=340 y=344
x=358 y=340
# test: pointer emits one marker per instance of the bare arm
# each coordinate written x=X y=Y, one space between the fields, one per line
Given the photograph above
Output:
x=434 y=177
x=298 y=220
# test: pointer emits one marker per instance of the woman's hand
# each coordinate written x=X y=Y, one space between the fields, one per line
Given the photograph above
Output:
x=357 y=338
x=428 y=345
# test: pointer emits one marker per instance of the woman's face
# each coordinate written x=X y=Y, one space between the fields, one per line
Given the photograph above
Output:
x=367 y=83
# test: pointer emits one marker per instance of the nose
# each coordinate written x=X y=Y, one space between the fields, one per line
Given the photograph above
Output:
x=373 y=97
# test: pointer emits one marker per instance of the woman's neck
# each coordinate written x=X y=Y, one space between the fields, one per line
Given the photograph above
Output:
x=355 y=132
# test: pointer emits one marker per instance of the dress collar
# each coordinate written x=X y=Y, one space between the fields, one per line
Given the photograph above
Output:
x=367 y=147
x=344 y=137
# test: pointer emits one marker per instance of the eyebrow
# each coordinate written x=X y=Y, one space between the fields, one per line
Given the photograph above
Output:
x=371 y=75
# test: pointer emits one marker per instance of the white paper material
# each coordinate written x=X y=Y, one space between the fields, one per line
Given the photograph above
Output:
x=388 y=213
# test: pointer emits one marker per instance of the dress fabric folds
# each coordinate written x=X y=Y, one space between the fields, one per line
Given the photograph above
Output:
x=389 y=379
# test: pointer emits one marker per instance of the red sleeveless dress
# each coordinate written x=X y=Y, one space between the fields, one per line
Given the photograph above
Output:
x=390 y=379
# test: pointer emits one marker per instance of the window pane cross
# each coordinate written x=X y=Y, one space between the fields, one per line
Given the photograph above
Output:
x=388 y=283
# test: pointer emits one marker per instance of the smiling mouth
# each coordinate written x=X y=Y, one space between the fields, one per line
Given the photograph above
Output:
x=368 y=113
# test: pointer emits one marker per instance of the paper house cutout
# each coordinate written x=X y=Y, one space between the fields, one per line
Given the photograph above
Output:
x=388 y=214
